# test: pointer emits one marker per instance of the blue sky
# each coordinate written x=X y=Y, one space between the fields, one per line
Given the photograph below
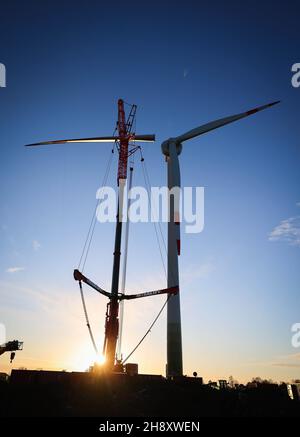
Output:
x=183 y=64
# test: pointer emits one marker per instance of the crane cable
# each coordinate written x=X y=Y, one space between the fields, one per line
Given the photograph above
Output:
x=124 y=273
x=148 y=331
x=87 y=245
x=87 y=318
x=148 y=186
x=123 y=280
x=90 y=233
x=86 y=249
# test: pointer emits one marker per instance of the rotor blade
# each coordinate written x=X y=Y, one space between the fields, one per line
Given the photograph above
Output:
x=144 y=138
x=79 y=140
x=219 y=123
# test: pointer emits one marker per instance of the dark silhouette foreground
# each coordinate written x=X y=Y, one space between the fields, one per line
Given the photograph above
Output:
x=51 y=394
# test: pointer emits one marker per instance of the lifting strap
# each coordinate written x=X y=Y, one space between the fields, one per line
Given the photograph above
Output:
x=87 y=318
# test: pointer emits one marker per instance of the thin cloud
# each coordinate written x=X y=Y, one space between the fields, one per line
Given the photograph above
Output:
x=15 y=269
x=50 y=301
x=292 y=365
x=36 y=245
x=295 y=356
x=291 y=360
x=185 y=72
x=197 y=272
x=288 y=231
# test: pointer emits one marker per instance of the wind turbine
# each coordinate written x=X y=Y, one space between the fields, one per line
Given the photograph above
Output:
x=171 y=148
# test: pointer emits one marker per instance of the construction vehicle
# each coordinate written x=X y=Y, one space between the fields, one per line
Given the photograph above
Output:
x=12 y=347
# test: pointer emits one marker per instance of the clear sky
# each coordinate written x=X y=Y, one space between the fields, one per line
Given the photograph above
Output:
x=183 y=63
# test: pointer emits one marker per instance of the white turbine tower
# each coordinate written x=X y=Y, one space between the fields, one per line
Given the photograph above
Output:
x=171 y=148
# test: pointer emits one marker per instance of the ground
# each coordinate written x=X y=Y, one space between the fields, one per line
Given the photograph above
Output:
x=140 y=397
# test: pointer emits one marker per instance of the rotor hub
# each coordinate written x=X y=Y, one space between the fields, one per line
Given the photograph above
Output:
x=165 y=146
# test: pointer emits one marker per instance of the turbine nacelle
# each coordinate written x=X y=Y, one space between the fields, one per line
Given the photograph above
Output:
x=165 y=146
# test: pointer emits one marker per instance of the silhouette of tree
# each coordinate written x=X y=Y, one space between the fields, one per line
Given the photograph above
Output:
x=232 y=382
x=258 y=380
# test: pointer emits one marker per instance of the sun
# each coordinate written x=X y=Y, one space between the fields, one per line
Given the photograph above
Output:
x=85 y=358
x=100 y=359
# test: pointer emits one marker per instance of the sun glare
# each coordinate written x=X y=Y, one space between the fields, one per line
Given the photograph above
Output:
x=85 y=358
x=100 y=359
